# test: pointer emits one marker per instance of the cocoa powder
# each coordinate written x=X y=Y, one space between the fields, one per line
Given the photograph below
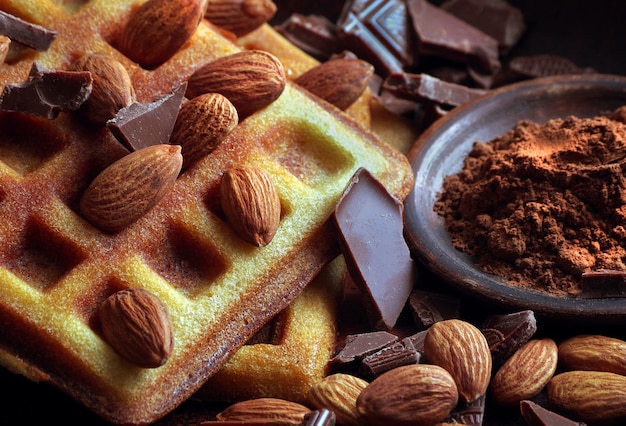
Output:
x=543 y=203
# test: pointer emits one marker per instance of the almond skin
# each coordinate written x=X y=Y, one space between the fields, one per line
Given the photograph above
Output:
x=526 y=372
x=240 y=17
x=412 y=395
x=251 y=80
x=463 y=351
x=593 y=352
x=159 y=29
x=250 y=203
x=338 y=81
x=266 y=411
x=138 y=326
x=202 y=124
x=590 y=396
x=338 y=393
x=111 y=90
x=127 y=189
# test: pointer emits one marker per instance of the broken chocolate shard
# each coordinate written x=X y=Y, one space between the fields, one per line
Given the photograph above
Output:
x=603 y=283
x=379 y=32
x=26 y=33
x=508 y=332
x=468 y=413
x=405 y=352
x=360 y=345
x=429 y=307
x=442 y=34
x=315 y=34
x=536 y=415
x=47 y=92
x=370 y=224
x=426 y=87
x=140 y=125
x=321 y=417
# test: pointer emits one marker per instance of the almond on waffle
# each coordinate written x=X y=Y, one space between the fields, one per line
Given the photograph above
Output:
x=56 y=268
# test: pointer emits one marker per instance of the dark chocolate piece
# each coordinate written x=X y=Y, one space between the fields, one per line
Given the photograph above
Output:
x=427 y=87
x=507 y=333
x=536 y=415
x=534 y=66
x=322 y=417
x=429 y=307
x=315 y=34
x=370 y=224
x=31 y=35
x=468 y=413
x=405 y=352
x=496 y=18
x=603 y=283
x=46 y=93
x=379 y=32
x=442 y=34
x=141 y=125
x=358 y=346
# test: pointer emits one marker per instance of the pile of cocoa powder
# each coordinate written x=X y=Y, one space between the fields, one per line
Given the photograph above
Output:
x=543 y=203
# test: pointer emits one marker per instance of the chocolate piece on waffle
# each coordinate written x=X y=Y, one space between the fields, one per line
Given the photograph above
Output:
x=56 y=268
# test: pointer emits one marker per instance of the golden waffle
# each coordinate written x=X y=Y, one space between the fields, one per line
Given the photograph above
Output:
x=55 y=268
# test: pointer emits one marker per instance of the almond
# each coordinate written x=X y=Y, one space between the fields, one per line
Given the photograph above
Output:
x=338 y=81
x=593 y=352
x=5 y=44
x=159 y=29
x=111 y=90
x=417 y=394
x=526 y=372
x=591 y=396
x=202 y=124
x=273 y=411
x=251 y=80
x=462 y=350
x=338 y=393
x=127 y=189
x=138 y=326
x=250 y=203
x=240 y=17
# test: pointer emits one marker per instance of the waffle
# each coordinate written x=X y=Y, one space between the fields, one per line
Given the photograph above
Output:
x=56 y=268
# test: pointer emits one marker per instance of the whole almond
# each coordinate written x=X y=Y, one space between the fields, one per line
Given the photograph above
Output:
x=5 y=44
x=417 y=394
x=338 y=81
x=338 y=392
x=111 y=90
x=250 y=203
x=159 y=29
x=526 y=372
x=138 y=326
x=202 y=124
x=593 y=352
x=240 y=17
x=273 y=411
x=251 y=80
x=462 y=350
x=127 y=189
x=590 y=396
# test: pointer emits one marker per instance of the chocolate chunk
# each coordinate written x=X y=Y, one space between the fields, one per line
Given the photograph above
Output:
x=536 y=415
x=31 y=35
x=379 y=32
x=315 y=34
x=468 y=413
x=370 y=224
x=507 y=333
x=442 y=34
x=429 y=307
x=47 y=92
x=603 y=283
x=496 y=18
x=427 y=87
x=322 y=417
x=140 y=125
x=534 y=66
x=358 y=346
x=405 y=352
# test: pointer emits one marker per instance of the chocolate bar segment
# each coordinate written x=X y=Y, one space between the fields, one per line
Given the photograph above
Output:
x=322 y=417
x=405 y=352
x=31 y=35
x=603 y=283
x=360 y=345
x=370 y=225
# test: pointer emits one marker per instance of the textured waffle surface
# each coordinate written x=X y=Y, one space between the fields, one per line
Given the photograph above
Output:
x=55 y=268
